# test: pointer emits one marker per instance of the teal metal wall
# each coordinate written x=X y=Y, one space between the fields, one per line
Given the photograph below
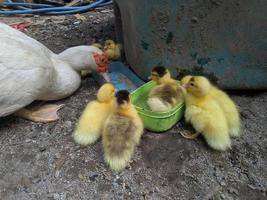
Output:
x=224 y=40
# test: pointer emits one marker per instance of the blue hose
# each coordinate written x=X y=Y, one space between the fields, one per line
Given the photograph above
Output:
x=30 y=8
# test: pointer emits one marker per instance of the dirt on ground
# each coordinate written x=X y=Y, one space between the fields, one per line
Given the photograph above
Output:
x=41 y=161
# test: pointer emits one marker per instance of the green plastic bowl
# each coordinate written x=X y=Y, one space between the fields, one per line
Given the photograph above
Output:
x=155 y=121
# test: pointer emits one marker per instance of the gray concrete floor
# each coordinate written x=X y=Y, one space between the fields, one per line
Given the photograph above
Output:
x=41 y=161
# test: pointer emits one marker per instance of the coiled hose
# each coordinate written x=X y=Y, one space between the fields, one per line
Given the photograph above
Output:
x=31 y=8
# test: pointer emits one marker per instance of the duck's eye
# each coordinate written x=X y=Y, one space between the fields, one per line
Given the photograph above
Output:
x=192 y=84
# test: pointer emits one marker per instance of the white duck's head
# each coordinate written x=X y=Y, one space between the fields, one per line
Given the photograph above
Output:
x=86 y=58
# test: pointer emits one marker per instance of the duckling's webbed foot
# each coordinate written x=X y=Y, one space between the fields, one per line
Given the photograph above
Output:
x=188 y=135
x=46 y=113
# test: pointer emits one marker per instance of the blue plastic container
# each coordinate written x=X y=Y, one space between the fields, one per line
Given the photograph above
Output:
x=121 y=77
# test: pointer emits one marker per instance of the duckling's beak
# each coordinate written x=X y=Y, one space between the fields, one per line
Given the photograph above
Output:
x=184 y=85
x=105 y=76
x=149 y=77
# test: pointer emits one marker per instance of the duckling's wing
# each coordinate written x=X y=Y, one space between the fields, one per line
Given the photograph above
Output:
x=25 y=70
x=119 y=125
x=118 y=134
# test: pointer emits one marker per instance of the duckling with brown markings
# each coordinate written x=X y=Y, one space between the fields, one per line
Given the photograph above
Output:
x=122 y=132
x=166 y=94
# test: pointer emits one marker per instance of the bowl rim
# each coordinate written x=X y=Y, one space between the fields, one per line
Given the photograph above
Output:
x=158 y=115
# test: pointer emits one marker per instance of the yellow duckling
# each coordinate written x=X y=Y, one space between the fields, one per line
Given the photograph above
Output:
x=227 y=105
x=112 y=50
x=205 y=114
x=166 y=94
x=100 y=46
x=122 y=132
x=230 y=110
x=93 y=117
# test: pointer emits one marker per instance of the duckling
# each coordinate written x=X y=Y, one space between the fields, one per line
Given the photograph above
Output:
x=98 y=45
x=185 y=79
x=112 y=50
x=230 y=110
x=122 y=132
x=93 y=117
x=205 y=114
x=227 y=105
x=166 y=94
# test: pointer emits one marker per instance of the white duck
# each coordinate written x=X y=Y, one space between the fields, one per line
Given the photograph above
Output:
x=29 y=71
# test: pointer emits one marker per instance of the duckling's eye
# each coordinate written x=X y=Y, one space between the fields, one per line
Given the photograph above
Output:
x=192 y=84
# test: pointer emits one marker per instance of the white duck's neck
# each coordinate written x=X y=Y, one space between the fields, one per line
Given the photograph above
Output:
x=80 y=57
x=68 y=65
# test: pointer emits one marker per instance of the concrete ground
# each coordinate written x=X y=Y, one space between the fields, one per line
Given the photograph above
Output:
x=41 y=161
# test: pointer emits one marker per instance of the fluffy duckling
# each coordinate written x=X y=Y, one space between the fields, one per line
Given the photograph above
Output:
x=112 y=50
x=122 y=132
x=205 y=114
x=166 y=94
x=93 y=117
x=185 y=80
x=227 y=105
x=230 y=110
x=98 y=45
